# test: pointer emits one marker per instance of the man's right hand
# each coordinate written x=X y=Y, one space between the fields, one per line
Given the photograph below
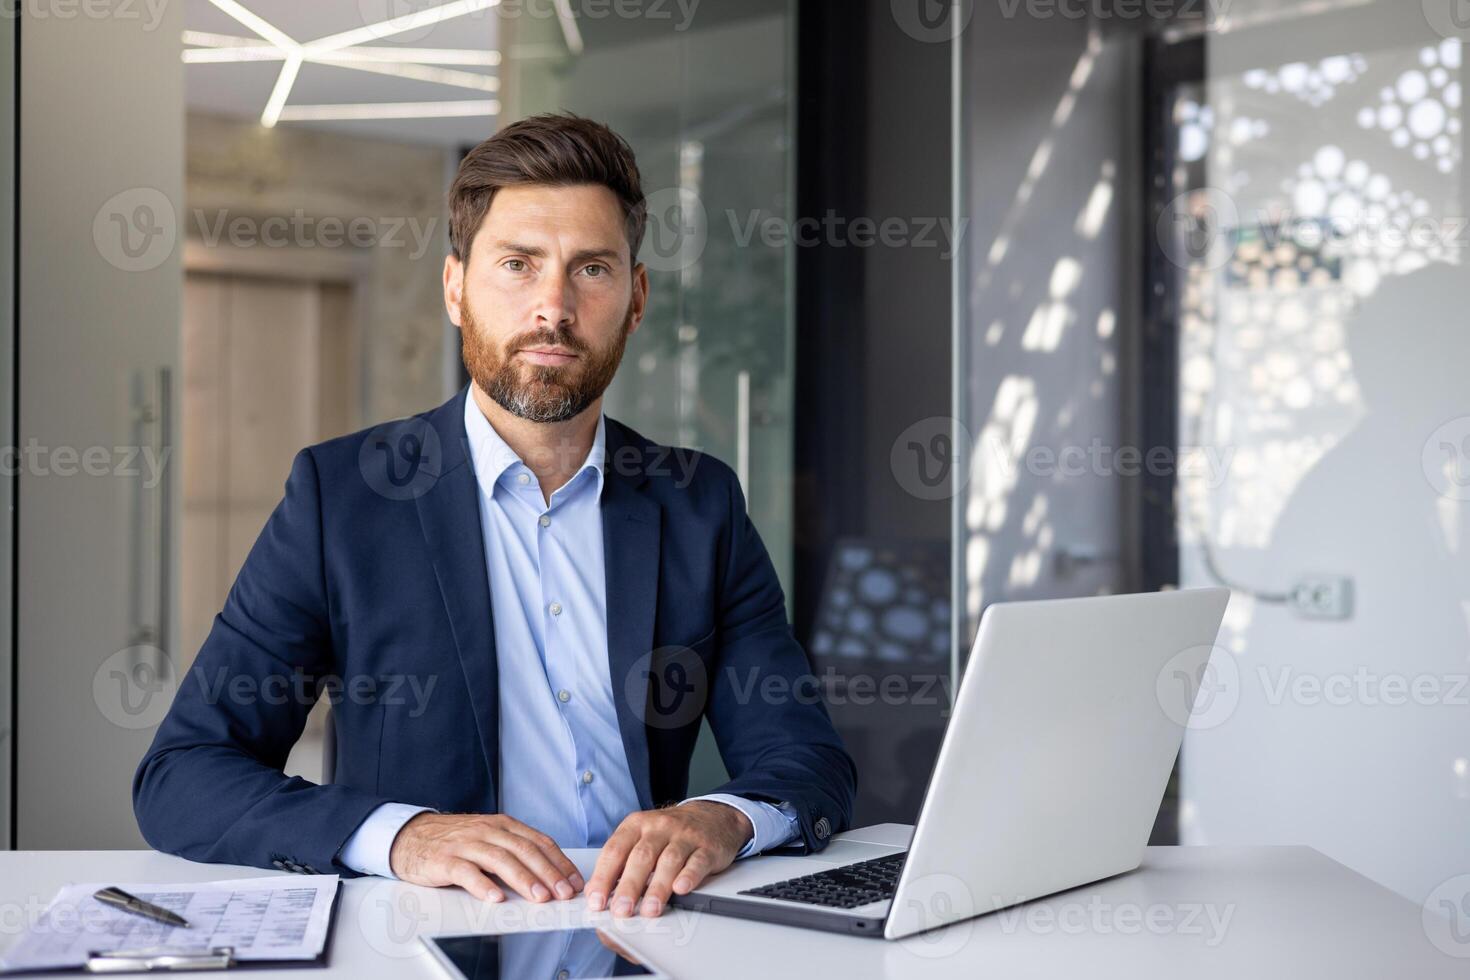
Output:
x=465 y=849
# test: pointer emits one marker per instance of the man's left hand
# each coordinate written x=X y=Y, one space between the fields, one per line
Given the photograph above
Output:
x=656 y=852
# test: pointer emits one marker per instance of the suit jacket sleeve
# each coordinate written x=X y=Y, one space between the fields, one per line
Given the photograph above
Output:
x=210 y=787
x=773 y=732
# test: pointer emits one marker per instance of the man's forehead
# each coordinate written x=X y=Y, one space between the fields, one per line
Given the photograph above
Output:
x=592 y=209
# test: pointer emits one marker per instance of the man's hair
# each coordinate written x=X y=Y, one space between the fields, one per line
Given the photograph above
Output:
x=559 y=149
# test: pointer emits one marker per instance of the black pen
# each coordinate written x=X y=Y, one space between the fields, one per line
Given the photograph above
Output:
x=118 y=898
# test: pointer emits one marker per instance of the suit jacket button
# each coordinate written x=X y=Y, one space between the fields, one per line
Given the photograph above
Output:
x=278 y=863
x=823 y=829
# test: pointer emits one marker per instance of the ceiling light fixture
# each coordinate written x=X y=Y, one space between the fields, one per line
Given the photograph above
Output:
x=391 y=110
x=346 y=50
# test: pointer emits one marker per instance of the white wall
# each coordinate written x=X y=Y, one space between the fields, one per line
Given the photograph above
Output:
x=1329 y=392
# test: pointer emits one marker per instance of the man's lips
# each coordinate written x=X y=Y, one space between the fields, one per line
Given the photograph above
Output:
x=550 y=356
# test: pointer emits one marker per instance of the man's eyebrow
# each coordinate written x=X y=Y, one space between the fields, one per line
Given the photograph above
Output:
x=582 y=255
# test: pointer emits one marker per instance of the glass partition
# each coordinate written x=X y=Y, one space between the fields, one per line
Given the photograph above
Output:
x=1318 y=203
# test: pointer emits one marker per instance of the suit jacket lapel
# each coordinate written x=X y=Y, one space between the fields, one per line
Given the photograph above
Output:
x=630 y=532
x=449 y=513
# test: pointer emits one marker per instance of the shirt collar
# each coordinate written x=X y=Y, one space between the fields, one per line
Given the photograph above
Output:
x=494 y=460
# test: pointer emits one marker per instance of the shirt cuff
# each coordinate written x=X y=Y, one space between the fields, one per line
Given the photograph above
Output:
x=774 y=825
x=368 y=849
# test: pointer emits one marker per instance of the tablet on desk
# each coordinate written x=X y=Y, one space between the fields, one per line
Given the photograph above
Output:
x=567 y=954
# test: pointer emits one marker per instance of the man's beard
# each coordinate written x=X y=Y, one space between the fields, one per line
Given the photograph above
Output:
x=540 y=392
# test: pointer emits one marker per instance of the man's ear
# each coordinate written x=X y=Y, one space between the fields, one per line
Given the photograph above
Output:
x=640 y=296
x=453 y=287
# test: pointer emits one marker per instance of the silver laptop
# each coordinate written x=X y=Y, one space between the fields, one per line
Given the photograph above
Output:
x=1064 y=733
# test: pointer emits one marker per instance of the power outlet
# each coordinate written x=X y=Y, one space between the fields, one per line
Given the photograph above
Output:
x=1323 y=597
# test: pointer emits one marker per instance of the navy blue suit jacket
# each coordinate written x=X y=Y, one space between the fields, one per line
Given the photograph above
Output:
x=368 y=585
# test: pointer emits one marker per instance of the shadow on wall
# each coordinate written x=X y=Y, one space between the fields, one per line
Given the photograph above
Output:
x=1357 y=732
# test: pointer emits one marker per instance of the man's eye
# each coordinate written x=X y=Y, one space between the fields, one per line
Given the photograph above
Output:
x=595 y=271
x=515 y=265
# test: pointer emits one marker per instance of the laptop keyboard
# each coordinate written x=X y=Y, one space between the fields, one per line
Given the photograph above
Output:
x=846 y=887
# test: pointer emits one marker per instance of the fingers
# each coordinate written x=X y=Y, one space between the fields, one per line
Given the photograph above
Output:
x=609 y=866
x=565 y=870
x=540 y=864
x=642 y=858
x=696 y=869
x=510 y=866
x=670 y=863
x=467 y=876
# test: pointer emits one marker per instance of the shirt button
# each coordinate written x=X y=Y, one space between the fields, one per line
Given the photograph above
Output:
x=563 y=975
x=563 y=696
x=587 y=776
x=556 y=609
x=545 y=520
x=523 y=478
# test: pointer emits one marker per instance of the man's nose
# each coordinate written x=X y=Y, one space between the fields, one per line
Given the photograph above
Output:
x=555 y=300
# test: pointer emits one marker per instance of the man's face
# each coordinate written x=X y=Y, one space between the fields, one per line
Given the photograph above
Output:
x=547 y=300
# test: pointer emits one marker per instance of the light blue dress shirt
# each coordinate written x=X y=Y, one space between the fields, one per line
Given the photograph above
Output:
x=563 y=769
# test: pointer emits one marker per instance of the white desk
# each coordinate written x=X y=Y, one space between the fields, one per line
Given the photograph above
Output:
x=1199 y=912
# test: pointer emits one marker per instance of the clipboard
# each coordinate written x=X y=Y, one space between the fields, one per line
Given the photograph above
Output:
x=165 y=959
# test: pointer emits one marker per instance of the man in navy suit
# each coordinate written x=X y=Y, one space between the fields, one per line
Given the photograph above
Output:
x=520 y=609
